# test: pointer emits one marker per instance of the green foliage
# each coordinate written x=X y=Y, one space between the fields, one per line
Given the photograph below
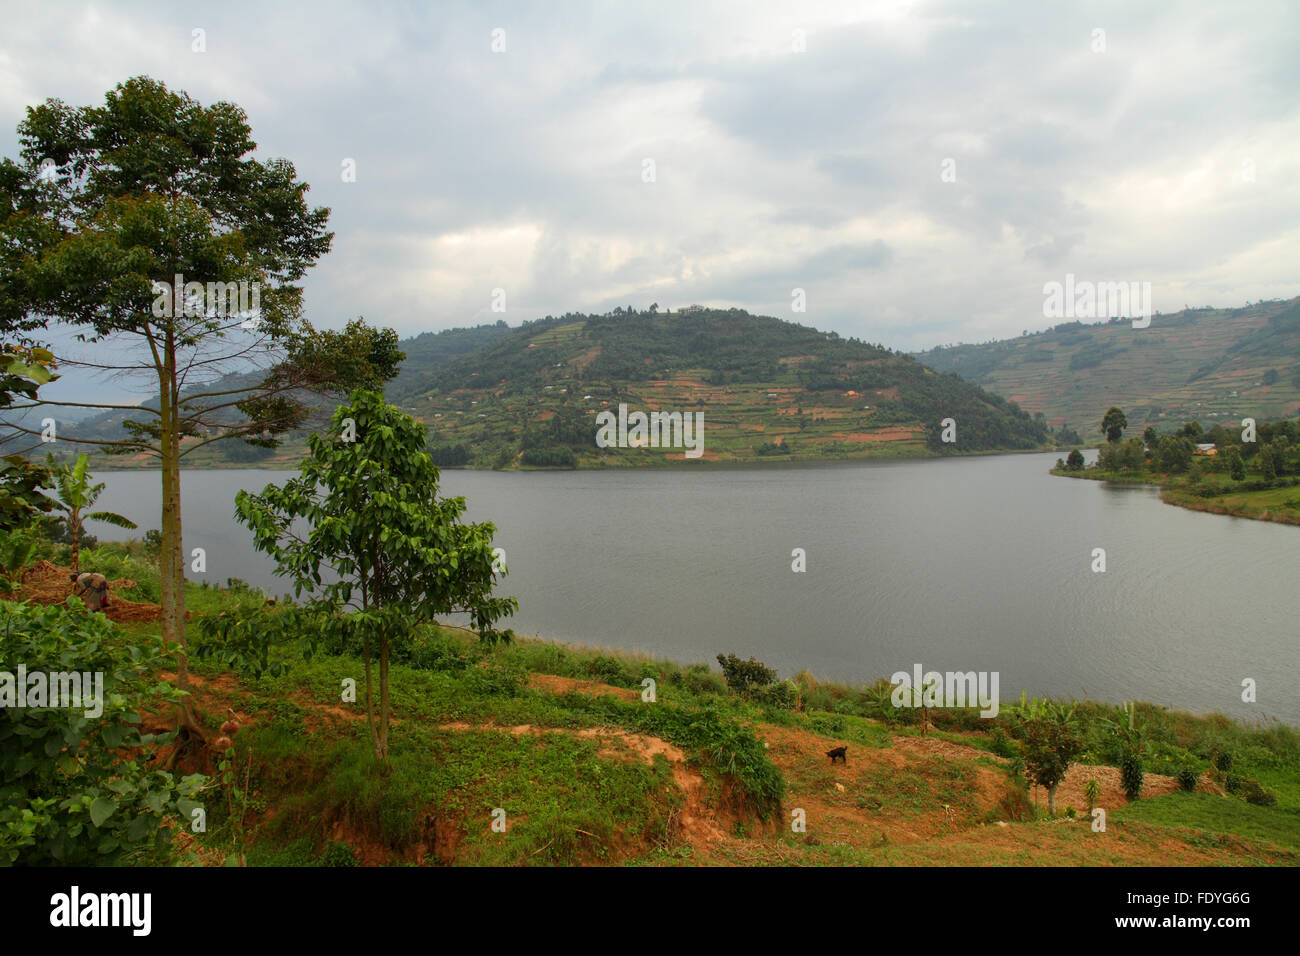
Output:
x=1074 y=461
x=1131 y=774
x=745 y=677
x=1188 y=778
x=16 y=550
x=1173 y=453
x=1092 y=792
x=1113 y=424
x=77 y=790
x=1051 y=743
x=400 y=553
x=1256 y=794
x=549 y=458
x=76 y=494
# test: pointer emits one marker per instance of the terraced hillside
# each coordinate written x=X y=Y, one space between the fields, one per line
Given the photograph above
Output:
x=1208 y=365
x=767 y=389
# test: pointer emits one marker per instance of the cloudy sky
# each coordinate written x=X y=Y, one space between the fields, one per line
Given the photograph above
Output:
x=790 y=145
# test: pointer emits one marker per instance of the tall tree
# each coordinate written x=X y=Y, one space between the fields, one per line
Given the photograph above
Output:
x=147 y=225
x=1113 y=424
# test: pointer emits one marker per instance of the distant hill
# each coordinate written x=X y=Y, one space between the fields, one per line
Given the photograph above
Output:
x=1208 y=365
x=495 y=396
x=767 y=389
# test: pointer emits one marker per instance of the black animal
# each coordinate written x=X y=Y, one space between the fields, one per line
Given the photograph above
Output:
x=839 y=753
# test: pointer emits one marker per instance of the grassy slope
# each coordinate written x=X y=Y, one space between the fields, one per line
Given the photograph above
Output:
x=1184 y=366
x=587 y=772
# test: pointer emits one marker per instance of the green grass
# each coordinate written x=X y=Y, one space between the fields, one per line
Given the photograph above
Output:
x=1217 y=815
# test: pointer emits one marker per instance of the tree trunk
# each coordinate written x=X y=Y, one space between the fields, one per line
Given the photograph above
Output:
x=74 y=523
x=167 y=553
x=370 y=709
x=382 y=751
x=1051 y=799
x=173 y=555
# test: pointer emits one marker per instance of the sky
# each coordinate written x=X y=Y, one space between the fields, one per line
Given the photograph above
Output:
x=920 y=170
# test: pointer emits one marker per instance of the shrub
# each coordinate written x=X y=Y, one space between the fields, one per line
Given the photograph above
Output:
x=1092 y=791
x=699 y=680
x=1003 y=745
x=1188 y=778
x=1223 y=761
x=779 y=695
x=1257 y=794
x=745 y=677
x=77 y=790
x=1130 y=770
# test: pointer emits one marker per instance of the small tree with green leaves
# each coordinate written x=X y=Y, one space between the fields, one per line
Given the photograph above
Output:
x=1074 y=461
x=745 y=677
x=1131 y=749
x=1051 y=743
x=401 y=553
x=1236 y=467
x=76 y=494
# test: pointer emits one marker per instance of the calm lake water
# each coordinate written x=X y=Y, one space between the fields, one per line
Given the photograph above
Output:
x=960 y=564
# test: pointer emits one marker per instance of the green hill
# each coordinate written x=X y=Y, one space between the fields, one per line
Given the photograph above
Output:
x=1209 y=365
x=766 y=388
x=495 y=396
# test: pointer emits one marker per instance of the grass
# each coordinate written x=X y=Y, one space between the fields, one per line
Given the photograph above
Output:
x=1217 y=815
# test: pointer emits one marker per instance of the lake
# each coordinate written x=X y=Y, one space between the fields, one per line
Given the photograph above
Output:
x=955 y=564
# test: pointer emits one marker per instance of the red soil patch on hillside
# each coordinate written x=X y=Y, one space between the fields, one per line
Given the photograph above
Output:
x=48 y=583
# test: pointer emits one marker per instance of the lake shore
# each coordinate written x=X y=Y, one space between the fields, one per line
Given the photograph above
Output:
x=1280 y=504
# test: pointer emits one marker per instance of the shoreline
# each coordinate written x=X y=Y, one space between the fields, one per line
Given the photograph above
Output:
x=1172 y=493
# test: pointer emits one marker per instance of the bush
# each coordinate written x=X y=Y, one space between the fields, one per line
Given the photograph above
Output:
x=699 y=680
x=1130 y=770
x=1223 y=761
x=77 y=790
x=1257 y=794
x=1003 y=745
x=1232 y=783
x=745 y=677
x=1188 y=778
x=781 y=695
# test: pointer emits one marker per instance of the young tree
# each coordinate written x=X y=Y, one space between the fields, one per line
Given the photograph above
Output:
x=1051 y=744
x=401 y=554
x=75 y=495
x=1236 y=467
x=1113 y=424
x=145 y=224
x=1074 y=461
x=1267 y=467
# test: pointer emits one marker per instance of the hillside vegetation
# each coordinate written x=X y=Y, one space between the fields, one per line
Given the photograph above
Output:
x=1212 y=365
x=766 y=388
x=561 y=746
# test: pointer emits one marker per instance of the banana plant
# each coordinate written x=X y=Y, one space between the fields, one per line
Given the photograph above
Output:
x=75 y=495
